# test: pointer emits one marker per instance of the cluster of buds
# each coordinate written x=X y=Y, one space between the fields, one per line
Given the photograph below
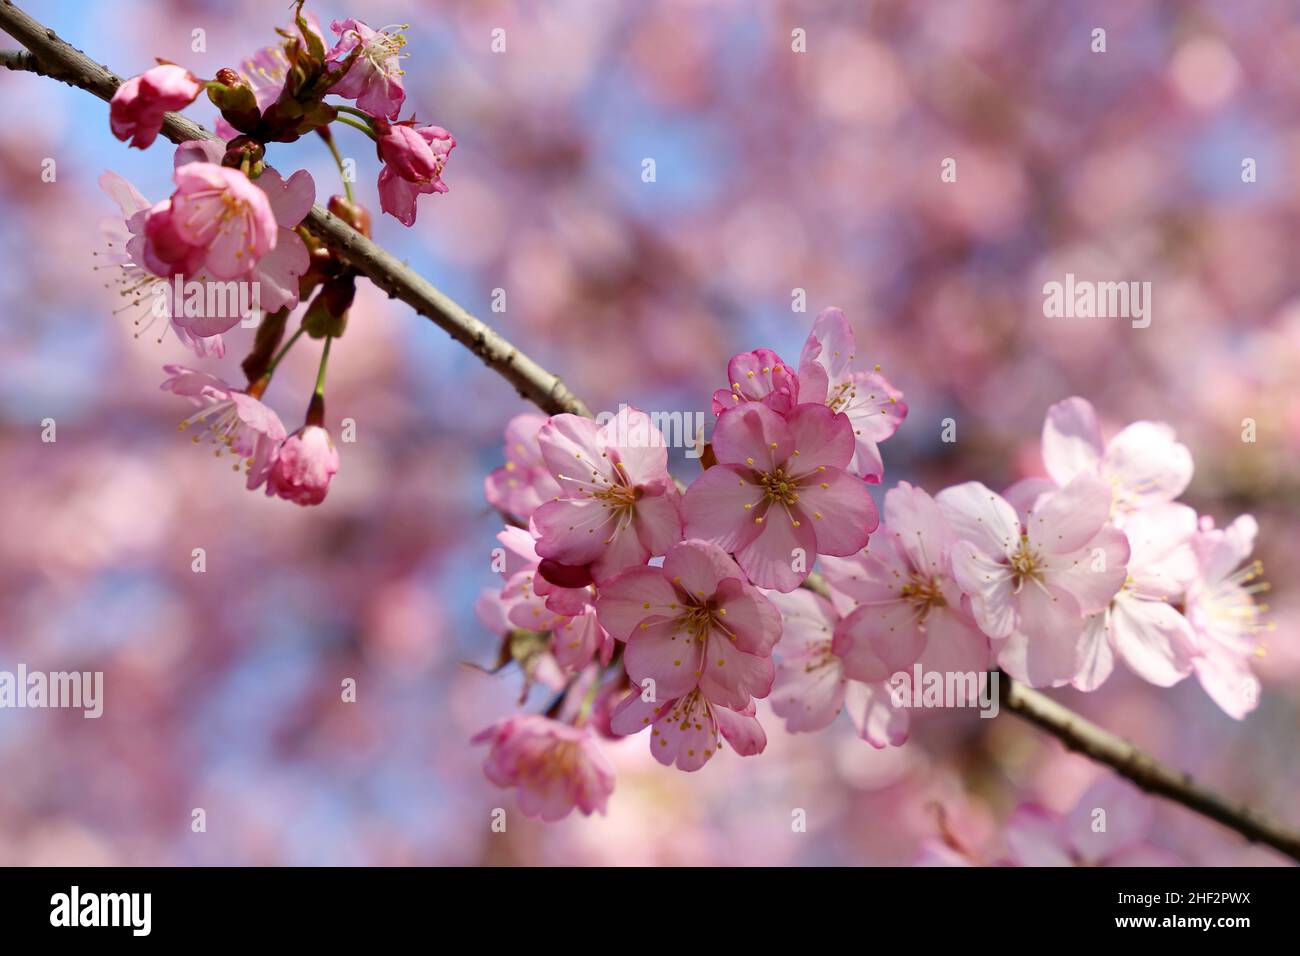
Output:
x=229 y=243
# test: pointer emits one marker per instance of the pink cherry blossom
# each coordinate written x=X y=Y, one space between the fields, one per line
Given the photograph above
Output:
x=276 y=272
x=556 y=766
x=1143 y=463
x=1141 y=626
x=1030 y=585
x=304 y=467
x=693 y=623
x=521 y=485
x=374 y=79
x=1224 y=614
x=234 y=420
x=780 y=495
x=148 y=295
x=1038 y=837
x=219 y=214
x=162 y=247
x=812 y=685
x=829 y=372
x=908 y=606
x=758 y=376
x=618 y=505
x=136 y=111
x=688 y=731
x=414 y=160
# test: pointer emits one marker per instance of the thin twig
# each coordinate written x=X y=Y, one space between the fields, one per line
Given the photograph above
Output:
x=51 y=56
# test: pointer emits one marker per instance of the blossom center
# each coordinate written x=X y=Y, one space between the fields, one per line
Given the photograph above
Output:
x=383 y=46
x=619 y=496
x=1026 y=564
x=923 y=592
x=779 y=486
x=841 y=396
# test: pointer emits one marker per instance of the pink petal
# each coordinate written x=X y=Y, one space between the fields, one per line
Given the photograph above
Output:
x=879 y=641
x=570 y=446
x=879 y=721
x=1044 y=650
x=981 y=517
x=1071 y=440
x=842 y=514
x=714 y=507
x=750 y=618
x=1067 y=520
x=1096 y=660
x=770 y=558
x=820 y=436
x=731 y=677
x=665 y=654
x=989 y=586
x=922 y=532
x=1148 y=464
x=752 y=432
x=621 y=601
x=742 y=730
x=658 y=520
x=1153 y=639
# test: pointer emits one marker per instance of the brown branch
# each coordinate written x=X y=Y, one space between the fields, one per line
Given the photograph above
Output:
x=51 y=56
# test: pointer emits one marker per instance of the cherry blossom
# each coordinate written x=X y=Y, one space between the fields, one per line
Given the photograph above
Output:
x=374 y=79
x=413 y=164
x=555 y=766
x=522 y=484
x=307 y=462
x=812 y=685
x=234 y=420
x=147 y=294
x=688 y=731
x=1141 y=625
x=1030 y=585
x=908 y=606
x=758 y=376
x=618 y=505
x=1224 y=614
x=694 y=623
x=829 y=372
x=780 y=494
x=1143 y=463
x=533 y=603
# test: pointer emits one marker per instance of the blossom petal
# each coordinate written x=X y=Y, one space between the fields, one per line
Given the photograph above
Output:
x=1071 y=440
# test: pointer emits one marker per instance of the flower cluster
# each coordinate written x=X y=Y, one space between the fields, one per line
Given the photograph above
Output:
x=228 y=248
x=647 y=606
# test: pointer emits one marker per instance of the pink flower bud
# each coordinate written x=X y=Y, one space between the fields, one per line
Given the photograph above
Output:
x=307 y=462
x=137 y=108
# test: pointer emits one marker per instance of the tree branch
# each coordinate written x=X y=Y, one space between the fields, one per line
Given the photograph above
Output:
x=51 y=56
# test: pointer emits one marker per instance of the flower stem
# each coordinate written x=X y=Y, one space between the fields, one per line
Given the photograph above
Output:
x=324 y=360
x=344 y=108
x=355 y=125
x=338 y=161
x=284 y=350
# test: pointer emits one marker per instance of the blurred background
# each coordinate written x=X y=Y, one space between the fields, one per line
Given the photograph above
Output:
x=775 y=171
